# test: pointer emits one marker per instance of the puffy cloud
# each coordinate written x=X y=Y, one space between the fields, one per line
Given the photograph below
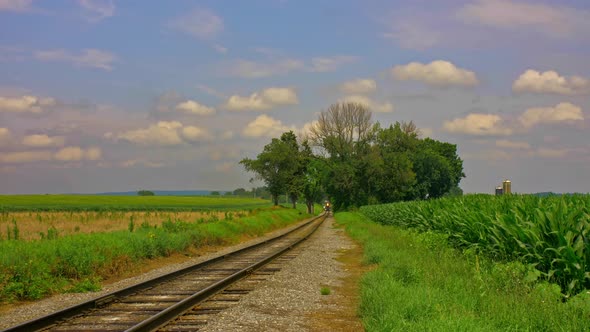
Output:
x=555 y=21
x=193 y=107
x=25 y=157
x=223 y=153
x=368 y=102
x=226 y=135
x=478 y=124
x=263 y=100
x=551 y=82
x=88 y=58
x=359 y=86
x=436 y=73
x=98 y=10
x=93 y=153
x=39 y=141
x=563 y=112
x=199 y=23
x=265 y=126
x=163 y=133
x=225 y=167
x=272 y=67
x=306 y=129
x=16 y=5
x=252 y=69
x=76 y=153
x=141 y=162
x=489 y=155
x=5 y=136
x=325 y=64
x=551 y=153
x=195 y=134
x=426 y=132
x=25 y=104
x=513 y=144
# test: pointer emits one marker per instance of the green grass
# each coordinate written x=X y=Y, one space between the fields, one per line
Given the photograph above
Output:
x=551 y=234
x=13 y=203
x=420 y=284
x=34 y=269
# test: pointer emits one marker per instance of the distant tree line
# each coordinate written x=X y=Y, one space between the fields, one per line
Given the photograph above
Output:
x=353 y=161
x=145 y=193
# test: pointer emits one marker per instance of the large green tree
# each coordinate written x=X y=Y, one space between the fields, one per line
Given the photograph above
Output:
x=281 y=166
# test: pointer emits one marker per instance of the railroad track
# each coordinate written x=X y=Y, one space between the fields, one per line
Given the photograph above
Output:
x=171 y=302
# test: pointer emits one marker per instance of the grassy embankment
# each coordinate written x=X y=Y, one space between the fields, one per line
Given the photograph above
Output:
x=36 y=268
x=419 y=283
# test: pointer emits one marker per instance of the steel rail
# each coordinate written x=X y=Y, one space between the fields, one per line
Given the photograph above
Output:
x=178 y=309
x=53 y=319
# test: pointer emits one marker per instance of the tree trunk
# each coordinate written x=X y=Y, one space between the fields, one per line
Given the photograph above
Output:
x=309 y=207
x=275 y=199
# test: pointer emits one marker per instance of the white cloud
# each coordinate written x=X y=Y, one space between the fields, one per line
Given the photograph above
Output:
x=272 y=66
x=76 y=153
x=368 y=102
x=478 y=124
x=359 y=86
x=332 y=63
x=263 y=100
x=551 y=82
x=436 y=73
x=98 y=9
x=412 y=35
x=489 y=155
x=141 y=162
x=563 y=112
x=38 y=141
x=25 y=157
x=519 y=145
x=5 y=136
x=551 y=153
x=92 y=58
x=195 y=134
x=555 y=21
x=252 y=69
x=16 y=5
x=199 y=23
x=220 y=48
x=306 y=129
x=25 y=104
x=225 y=167
x=426 y=132
x=193 y=107
x=223 y=153
x=265 y=126
x=163 y=133
x=226 y=135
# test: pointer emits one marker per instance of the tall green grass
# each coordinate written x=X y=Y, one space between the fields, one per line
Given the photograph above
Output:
x=34 y=269
x=550 y=234
x=419 y=283
x=13 y=203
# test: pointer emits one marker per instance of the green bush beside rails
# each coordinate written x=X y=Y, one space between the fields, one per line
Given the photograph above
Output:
x=551 y=234
x=34 y=269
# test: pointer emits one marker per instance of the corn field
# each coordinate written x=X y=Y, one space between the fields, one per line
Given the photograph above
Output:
x=551 y=234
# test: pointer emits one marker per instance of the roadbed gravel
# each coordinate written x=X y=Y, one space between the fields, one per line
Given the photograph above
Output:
x=288 y=301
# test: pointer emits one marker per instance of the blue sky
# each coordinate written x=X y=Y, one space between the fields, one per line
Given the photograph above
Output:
x=121 y=95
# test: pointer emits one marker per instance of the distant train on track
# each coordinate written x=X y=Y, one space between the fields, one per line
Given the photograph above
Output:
x=327 y=206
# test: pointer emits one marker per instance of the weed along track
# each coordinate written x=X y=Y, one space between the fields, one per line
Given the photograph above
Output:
x=183 y=300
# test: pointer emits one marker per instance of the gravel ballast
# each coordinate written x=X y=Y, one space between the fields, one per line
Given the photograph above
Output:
x=286 y=302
